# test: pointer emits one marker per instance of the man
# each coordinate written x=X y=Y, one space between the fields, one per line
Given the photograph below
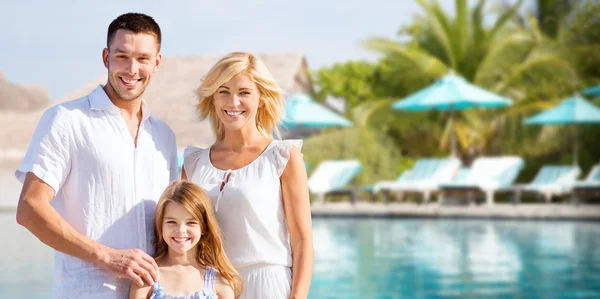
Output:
x=95 y=169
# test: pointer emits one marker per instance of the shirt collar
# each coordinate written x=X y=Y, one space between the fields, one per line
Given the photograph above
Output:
x=99 y=100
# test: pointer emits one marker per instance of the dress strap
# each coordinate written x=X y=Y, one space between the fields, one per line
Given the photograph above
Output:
x=157 y=291
x=210 y=274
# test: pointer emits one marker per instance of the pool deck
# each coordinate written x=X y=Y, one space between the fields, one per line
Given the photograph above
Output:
x=433 y=210
x=527 y=211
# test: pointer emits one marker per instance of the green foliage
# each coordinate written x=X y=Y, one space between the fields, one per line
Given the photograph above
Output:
x=352 y=81
x=380 y=158
x=569 y=31
x=536 y=61
x=580 y=31
x=551 y=13
x=415 y=134
x=584 y=23
x=520 y=63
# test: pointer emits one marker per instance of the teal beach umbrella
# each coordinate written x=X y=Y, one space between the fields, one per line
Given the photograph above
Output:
x=451 y=93
x=592 y=91
x=180 y=160
x=302 y=112
x=572 y=111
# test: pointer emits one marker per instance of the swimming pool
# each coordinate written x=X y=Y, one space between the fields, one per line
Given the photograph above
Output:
x=452 y=258
x=399 y=258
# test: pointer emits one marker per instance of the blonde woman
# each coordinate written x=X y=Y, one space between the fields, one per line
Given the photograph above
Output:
x=258 y=185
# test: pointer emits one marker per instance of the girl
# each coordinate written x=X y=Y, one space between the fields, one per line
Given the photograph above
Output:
x=188 y=249
x=258 y=185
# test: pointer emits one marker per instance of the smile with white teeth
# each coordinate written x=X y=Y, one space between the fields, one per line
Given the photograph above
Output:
x=180 y=240
x=234 y=113
x=130 y=81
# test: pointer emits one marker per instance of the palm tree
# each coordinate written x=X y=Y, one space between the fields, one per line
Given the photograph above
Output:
x=522 y=64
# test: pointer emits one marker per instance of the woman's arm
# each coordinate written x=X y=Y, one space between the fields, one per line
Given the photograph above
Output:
x=223 y=289
x=183 y=175
x=294 y=186
x=136 y=292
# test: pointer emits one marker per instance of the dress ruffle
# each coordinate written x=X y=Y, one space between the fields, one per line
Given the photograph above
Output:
x=281 y=153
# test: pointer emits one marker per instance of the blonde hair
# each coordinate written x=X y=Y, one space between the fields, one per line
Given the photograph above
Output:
x=267 y=117
x=209 y=249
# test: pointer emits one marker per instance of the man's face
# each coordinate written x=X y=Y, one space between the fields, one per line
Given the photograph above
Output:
x=131 y=61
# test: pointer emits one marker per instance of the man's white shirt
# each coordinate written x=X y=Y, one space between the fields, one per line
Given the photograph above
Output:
x=106 y=187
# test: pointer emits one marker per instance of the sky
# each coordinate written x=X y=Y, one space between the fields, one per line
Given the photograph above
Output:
x=58 y=43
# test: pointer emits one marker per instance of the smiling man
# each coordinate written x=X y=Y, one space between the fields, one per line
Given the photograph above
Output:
x=95 y=169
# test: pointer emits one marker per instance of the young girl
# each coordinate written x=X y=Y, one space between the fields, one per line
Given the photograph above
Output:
x=188 y=249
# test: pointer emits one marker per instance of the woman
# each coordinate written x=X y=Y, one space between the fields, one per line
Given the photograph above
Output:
x=257 y=185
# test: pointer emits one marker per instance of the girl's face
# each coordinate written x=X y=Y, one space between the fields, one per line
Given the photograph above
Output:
x=181 y=231
x=237 y=102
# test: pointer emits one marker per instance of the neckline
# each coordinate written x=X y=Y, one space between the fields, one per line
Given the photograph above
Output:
x=204 y=290
x=240 y=168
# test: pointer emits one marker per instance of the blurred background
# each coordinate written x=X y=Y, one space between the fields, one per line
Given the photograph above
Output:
x=355 y=59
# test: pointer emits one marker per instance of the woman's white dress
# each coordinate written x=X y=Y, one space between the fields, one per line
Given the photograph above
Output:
x=250 y=211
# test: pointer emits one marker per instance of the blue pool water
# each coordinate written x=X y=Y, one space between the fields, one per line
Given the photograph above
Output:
x=426 y=258
x=399 y=258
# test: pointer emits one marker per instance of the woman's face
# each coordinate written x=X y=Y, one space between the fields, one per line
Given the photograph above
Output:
x=236 y=102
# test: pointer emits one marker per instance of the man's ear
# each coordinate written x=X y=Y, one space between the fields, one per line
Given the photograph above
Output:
x=105 y=57
x=158 y=62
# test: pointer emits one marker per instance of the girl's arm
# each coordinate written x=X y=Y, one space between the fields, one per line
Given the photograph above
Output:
x=294 y=186
x=136 y=292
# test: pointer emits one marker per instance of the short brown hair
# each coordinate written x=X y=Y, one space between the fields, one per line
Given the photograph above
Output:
x=136 y=22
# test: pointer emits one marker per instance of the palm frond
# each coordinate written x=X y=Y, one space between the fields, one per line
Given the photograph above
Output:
x=408 y=59
x=540 y=68
x=361 y=114
x=504 y=17
x=529 y=108
x=461 y=30
x=440 y=27
x=504 y=54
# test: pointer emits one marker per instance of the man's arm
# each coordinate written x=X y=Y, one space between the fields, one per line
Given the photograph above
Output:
x=36 y=214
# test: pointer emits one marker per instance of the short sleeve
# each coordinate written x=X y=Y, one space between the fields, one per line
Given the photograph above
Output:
x=49 y=153
x=191 y=155
x=281 y=153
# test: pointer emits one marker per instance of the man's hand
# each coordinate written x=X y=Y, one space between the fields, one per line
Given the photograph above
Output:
x=35 y=212
x=131 y=263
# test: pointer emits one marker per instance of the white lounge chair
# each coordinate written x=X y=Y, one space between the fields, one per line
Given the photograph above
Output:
x=332 y=177
x=489 y=175
x=425 y=178
x=551 y=181
x=588 y=188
